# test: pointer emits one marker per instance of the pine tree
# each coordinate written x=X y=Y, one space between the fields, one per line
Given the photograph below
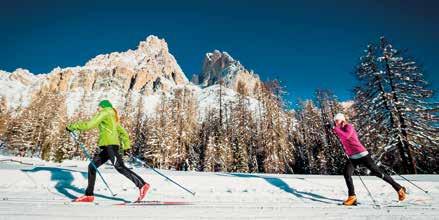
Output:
x=291 y=130
x=260 y=150
x=208 y=141
x=311 y=138
x=240 y=133
x=187 y=129
x=63 y=146
x=165 y=134
x=301 y=154
x=182 y=129
x=138 y=130
x=393 y=98
x=58 y=144
x=20 y=131
x=278 y=152
x=50 y=131
x=332 y=149
x=4 y=117
x=223 y=154
x=150 y=150
x=209 y=160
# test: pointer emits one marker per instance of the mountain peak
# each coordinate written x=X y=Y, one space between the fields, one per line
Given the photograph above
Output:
x=219 y=65
x=152 y=44
x=151 y=48
x=23 y=76
x=148 y=70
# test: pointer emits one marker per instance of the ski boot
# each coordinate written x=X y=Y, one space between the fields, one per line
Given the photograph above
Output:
x=402 y=194
x=84 y=199
x=350 y=201
x=143 y=190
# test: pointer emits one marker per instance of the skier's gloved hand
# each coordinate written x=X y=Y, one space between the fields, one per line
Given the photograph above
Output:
x=68 y=129
x=328 y=126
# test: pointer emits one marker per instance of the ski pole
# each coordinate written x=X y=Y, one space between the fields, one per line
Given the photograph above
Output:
x=376 y=205
x=367 y=189
x=364 y=184
x=75 y=137
x=161 y=174
x=409 y=181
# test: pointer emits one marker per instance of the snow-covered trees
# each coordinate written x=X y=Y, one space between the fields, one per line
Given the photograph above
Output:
x=162 y=136
x=317 y=149
x=309 y=154
x=57 y=145
x=241 y=135
x=392 y=106
x=4 y=117
x=206 y=141
x=215 y=143
x=274 y=142
x=185 y=121
x=167 y=139
x=253 y=131
x=39 y=130
x=214 y=154
x=332 y=150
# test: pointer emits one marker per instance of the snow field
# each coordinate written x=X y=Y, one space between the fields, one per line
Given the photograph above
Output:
x=42 y=190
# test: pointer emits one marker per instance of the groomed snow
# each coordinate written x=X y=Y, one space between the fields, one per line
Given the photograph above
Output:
x=36 y=189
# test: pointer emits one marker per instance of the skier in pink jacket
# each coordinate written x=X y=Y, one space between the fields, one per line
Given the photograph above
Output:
x=358 y=155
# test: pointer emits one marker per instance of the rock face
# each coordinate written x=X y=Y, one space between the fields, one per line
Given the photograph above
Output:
x=147 y=71
x=16 y=88
x=22 y=76
x=221 y=66
x=125 y=78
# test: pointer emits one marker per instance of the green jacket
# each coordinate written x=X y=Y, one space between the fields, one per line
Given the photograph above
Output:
x=110 y=131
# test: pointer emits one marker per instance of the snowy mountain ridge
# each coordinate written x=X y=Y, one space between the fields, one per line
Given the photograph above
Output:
x=151 y=48
x=220 y=66
x=125 y=78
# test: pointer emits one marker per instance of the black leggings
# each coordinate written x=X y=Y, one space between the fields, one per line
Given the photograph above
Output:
x=369 y=164
x=110 y=153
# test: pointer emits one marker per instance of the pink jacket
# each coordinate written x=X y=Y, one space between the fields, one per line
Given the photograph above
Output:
x=349 y=138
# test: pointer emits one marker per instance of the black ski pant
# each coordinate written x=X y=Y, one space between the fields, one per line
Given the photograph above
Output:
x=111 y=153
x=366 y=161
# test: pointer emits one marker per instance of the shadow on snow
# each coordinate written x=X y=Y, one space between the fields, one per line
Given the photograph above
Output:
x=279 y=183
x=64 y=180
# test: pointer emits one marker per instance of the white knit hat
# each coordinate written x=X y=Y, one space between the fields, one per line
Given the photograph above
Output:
x=339 y=116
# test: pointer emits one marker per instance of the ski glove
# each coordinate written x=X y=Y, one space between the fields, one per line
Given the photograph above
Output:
x=69 y=129
x=328 y=126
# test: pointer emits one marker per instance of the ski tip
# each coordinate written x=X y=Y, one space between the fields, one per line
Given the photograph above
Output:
x=153 y=203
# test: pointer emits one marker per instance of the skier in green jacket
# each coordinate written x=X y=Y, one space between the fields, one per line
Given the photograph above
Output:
x=112 y=137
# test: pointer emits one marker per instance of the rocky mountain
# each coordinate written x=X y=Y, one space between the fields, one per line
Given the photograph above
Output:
x=221 y=66
x=125 y=78
x=17 y=87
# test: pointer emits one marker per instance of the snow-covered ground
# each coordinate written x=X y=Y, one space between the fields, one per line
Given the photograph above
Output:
x=36 y=189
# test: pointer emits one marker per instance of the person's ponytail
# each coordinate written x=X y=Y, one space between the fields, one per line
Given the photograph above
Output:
x=116 y=114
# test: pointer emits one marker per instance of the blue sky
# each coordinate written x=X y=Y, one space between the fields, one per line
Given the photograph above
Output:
x=305 y=44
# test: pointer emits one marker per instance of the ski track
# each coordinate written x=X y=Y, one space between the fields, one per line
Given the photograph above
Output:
x=44 y=191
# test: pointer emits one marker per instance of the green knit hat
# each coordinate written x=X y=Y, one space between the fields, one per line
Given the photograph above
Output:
x=105 y=103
